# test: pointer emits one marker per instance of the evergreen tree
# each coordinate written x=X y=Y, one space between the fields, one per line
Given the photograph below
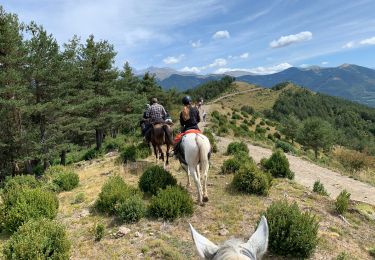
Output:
x=14 y=96
x=290 y=127
x=316 y=134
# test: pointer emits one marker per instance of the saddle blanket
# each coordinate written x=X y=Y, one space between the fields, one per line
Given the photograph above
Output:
x=180 y=135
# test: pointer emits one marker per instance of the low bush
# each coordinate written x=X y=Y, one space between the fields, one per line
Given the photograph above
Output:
x=129 y=154
x=230 y=166
x=271 y=137
x=212 y=140
x=38 y=239
x=114 y=192
x=319 y=188
x=235 y=147
x=244 y=127
x=286 y=147
x=20 y=182
x=26 y=204
x=248 y=109
x=66 y=181
x=131 y=210
x=236 y=116
x=353 y=160
x=99 y=232
x=344 y=256
x=112 y=144
x=291 y=232
x=262 y=123
x=155 y=178
x=143 y=151
x=260 y=130
x=92 y=154
x=342 y=202
x=277 y=135
x=171 y=203
x=79 y=198
x=55 y=169
x=372 y=252
x=249 y=179
x=278 y=165
x=244 y=114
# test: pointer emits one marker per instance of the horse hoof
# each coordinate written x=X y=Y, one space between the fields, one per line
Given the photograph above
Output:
x=205 y=199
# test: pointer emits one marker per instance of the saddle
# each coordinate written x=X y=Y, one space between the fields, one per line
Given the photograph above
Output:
x=178 y=152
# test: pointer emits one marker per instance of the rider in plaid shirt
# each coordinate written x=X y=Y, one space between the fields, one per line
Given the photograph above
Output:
x=155 y=114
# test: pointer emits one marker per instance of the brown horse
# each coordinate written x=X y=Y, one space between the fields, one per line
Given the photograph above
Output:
x=161 y=134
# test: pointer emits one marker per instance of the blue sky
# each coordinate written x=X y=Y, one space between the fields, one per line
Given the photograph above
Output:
x=206 y=36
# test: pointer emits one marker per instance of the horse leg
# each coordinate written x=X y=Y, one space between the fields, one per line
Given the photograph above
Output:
x=186 y=168
x=155 y=152
x=167 y=153
x=197 y=184
x=204 y=167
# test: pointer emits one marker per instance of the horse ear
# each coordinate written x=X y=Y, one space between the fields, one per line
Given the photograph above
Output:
x=259 y=240
x=203 y=245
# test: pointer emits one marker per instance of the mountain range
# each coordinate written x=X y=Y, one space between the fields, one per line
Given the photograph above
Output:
x=348 y=81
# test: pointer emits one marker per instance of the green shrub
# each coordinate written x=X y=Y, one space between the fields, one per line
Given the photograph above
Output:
x=66 y=181
x=55 y=169
x=277 y=135
x=291 y=232
x=230 y=166
x=92 y=154
x=236 y=116
x=26 y=204
x=249 y=179
x=129 y=154
x=248 y=109
x=342 y=202
x=286 y=147
x=262 y=123
x=244 y=127
x=155 y=178
x=271 y=137
x=19 y=182
x=99 y=232
x=131 y=210
x=143 y=151
x=236 y=147
x=112 y=144
x=260 y=130
x=38 y=239
x=171 y=203
x=372 y=252
x=114 y=192
x=212 y=140
x=215 y=114
x=223 y=130
x=79 y=198
x=244 y=114
x=278 y=166
x=319 y=188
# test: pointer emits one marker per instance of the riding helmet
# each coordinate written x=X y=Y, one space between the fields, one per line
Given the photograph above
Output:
x=186 y=100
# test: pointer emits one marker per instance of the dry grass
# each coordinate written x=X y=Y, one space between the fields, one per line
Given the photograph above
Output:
x=239 y=214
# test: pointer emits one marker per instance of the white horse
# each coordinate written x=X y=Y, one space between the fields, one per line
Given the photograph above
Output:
x=253 y=249
x=196 y=149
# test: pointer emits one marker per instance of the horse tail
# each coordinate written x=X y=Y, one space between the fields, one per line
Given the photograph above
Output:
x=204 y=151
x=168 y=134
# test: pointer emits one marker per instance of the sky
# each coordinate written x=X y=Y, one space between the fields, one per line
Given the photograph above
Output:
x=215 y=36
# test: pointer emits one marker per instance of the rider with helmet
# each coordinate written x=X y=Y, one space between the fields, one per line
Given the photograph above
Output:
x=189 y=116
x=189 y=119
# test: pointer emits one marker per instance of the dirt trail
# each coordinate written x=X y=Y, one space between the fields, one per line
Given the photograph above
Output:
x=306 y=173
x=234 y=94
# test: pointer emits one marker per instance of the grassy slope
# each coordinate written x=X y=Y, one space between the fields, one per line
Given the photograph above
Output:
x=239 y=214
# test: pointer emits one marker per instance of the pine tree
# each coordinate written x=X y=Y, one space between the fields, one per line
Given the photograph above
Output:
x=13 y=96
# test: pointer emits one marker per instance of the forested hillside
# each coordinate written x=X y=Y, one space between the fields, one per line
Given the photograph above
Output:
x=55 y=99
x=354 y=124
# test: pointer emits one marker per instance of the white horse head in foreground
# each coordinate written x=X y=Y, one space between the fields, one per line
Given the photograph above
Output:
x=233 y=249
x=196 y=148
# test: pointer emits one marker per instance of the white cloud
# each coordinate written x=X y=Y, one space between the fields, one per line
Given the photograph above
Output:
x=304 y=65
x=369 y=41
x=290 y=39
x=244 y=55
x=173 y=60
x=324 y=62
x=218 y=63
x=221 y=35
x=348 y=45
x=257 y=70
x=196 y=44
x=191 y=69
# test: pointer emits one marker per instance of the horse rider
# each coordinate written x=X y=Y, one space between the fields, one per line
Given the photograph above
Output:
x=155 y=114
x=145 y=122
x=189 y=119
